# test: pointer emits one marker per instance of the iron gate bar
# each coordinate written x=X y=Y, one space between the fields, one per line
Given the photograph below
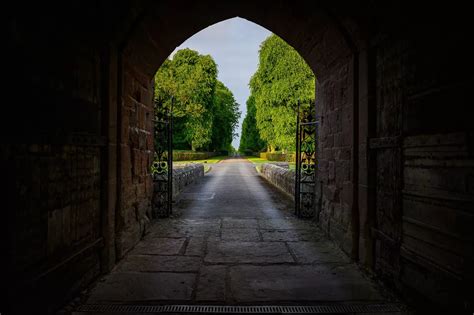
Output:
x=297 y=162
x=170 y=158
x=306 y=163
x=163 y=163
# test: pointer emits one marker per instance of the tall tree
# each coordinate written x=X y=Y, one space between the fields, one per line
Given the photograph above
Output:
x=205 y=113
x=190 y=79
x=250 y=139
x=282 y=80
x=225 y=118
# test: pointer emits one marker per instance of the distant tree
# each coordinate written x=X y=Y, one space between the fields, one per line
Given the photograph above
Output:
x=282 y=80
x=250 y=139
x=225 y=118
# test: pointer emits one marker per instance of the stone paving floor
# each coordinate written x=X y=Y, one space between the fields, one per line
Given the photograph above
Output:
x=234 y=240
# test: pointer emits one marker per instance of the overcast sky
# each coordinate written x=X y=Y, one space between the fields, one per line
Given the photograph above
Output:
x=234 y=45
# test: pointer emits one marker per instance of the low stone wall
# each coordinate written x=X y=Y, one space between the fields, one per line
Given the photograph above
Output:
x=184 y=175
x=280 y=176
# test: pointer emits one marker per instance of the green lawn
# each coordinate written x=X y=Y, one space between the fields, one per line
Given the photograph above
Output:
x=211 y=160
x=256 y=160
x=206 y=162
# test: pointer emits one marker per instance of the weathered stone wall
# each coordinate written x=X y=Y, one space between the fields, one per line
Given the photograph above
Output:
x=438 y=222
x=136 y=154
x=426 y=215
x=334 y=105
x=52 y=168
x=185 y=175
x=424 y=166
x=281 y=177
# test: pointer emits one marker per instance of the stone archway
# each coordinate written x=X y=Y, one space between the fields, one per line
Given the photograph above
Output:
x=322 y=40
x=75 y=156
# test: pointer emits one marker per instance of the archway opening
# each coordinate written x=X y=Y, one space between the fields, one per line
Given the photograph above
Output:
x=234 y=228
x=197 y=115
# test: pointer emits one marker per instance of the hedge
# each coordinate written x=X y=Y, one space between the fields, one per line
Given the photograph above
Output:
x=190 y=155
x=279 y=157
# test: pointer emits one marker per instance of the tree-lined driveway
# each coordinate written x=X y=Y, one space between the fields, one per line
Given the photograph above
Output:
x=234 y=240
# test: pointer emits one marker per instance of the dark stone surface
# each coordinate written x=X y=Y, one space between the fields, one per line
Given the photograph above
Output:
x=250 y=251
x=154 y=263
x=159 y=246
x=300 y=283
x=247 y=252
x=143 y=286
x=212 y=284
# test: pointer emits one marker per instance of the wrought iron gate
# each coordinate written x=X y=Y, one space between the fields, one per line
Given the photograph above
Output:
x=163 y=163
x=306 y=163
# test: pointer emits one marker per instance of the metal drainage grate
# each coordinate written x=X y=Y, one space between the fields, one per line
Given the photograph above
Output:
x=270 y=309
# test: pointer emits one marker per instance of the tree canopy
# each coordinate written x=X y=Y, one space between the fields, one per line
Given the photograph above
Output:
x=282 y=80
x=205 y=112
x=250 y=139
x=225 y=118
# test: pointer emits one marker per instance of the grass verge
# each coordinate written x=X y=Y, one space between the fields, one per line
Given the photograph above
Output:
x=257 y=161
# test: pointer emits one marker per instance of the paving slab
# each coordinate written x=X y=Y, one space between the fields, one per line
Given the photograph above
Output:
x=242 y=246
x=211 y=284
x=143 y=286
x=284 y=224
x=177 y=231
x=232 y=223
x=152 y=263
x=195 y=246
x=245 y=235
x=300 y=283
x=290 y=235
x=247 y=252
x=159 y=246
x=323 y=251
x=208 y=223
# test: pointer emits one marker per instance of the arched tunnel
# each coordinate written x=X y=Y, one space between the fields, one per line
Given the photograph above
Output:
x=395 y=146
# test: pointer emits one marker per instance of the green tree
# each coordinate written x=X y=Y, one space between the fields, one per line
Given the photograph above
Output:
x=225 y=118
x=250 y=139
x=282 y=80
x=190 y=80
x=205 y=113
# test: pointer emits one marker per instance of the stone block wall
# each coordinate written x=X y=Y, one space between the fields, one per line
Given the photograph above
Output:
x=334 y=103
x=52 y=166
x=423 y=152
x=279 y=176
x=136 y=154
x=185 y=175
